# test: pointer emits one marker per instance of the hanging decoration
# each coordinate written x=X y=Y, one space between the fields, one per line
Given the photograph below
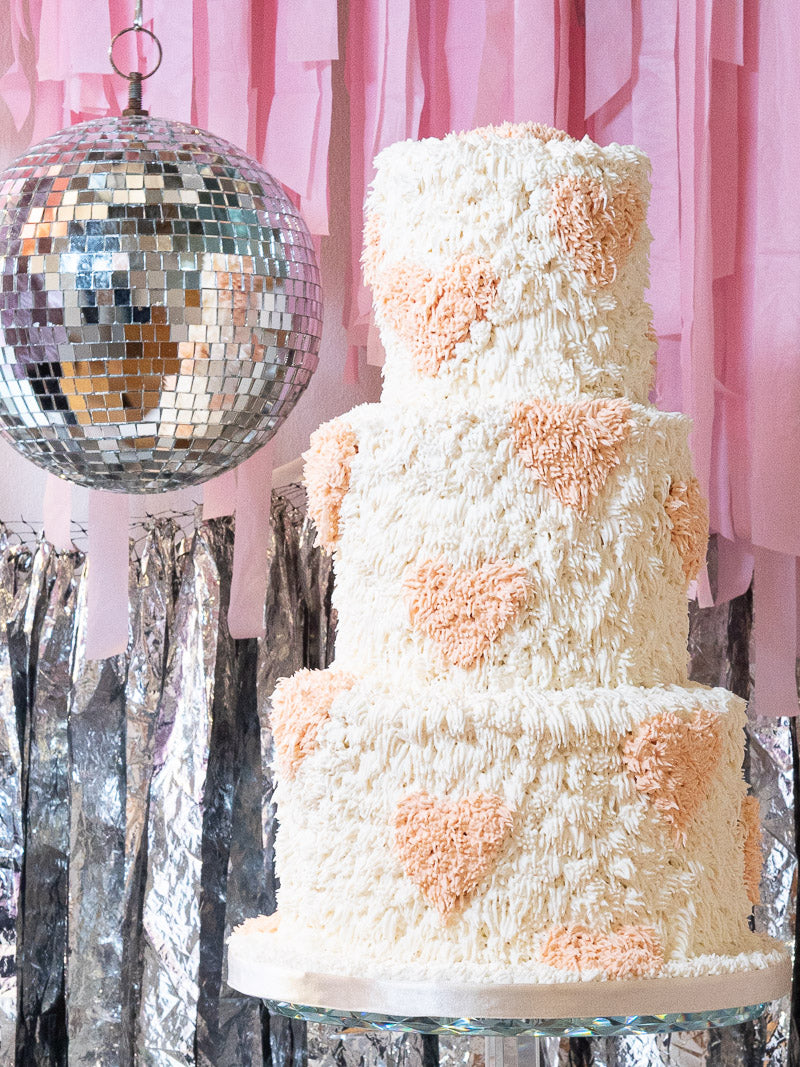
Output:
x=160 y=306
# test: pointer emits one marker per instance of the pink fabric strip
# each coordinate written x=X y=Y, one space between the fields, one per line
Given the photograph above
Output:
x=609 y=50
x=108 y=563
x=734 y=569
x=534 y=75
x=228 y=75
x=251 y=545
x=655 y=130
x=775 y=633
x=15 y=86
x=57 y=509
x=169 y=91
x=312 y=28
x=219 y=496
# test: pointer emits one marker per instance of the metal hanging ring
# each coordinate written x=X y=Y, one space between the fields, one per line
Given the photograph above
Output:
x=135 y=73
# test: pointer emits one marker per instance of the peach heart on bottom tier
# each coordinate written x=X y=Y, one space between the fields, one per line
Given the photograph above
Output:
x=447 y=846
x=463 y=610
x=627 y=952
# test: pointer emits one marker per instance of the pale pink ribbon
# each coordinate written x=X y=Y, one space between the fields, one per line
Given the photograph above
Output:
x=251 y=546
x=108 y=564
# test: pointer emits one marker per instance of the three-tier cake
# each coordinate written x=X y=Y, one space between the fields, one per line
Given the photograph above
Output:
x=506 y=776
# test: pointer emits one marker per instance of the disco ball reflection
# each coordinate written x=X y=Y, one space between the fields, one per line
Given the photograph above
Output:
x=160 y=311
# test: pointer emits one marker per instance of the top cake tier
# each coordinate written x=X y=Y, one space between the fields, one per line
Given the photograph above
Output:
x=511 y=261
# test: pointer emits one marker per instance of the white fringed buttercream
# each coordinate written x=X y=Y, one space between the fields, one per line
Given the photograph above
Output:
x=586 y=848
x=590 y=646
x=549 y=333
x=607 y=603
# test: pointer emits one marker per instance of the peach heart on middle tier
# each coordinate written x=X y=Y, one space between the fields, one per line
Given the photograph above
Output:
x=463 y=611
x=571 y=448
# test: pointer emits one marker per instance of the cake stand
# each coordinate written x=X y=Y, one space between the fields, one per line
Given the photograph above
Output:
x=497 y=1011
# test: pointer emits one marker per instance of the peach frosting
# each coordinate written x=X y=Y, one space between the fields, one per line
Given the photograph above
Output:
x=431 y=312
x=750 y=821
x=300 y=705
x=463 y=611
x=522 y=129
x=626 y=952
x=326 y=474
x=598 y=231
x=673 y=762
x=571 y=448
x=687 y=512
x=447 y=846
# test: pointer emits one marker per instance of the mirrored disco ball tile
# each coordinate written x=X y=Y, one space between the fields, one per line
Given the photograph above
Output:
x=160 y=306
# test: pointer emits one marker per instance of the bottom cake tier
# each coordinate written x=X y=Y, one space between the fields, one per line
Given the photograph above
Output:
x=515 y=836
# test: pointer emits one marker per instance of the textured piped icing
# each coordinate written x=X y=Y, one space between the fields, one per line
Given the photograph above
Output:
x=554 y=233
x=606 y=590
x=506 y=775
x=562 y=836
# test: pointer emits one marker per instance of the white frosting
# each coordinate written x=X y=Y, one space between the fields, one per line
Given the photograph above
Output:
x=608 y=595
x=540 y=722
x=587 y=847
x=550 y=333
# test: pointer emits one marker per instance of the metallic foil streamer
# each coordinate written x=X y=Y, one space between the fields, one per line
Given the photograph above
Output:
x=152 y=611
x=94 y=987
x=14 y=574
x=49 y=627
x=328 y=1047
x=171 y=909
x=228 y=1025
x=160 y=307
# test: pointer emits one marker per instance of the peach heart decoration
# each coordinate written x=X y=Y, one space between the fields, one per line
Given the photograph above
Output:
x=300 y=705
x=431 y=312
x=626 y=952
x=463 y=611
x=596 y=230
x=326 y=474
x=687 y=513
x=447 y=846
x=571 y=448
x=673 y=761
x=750 y=825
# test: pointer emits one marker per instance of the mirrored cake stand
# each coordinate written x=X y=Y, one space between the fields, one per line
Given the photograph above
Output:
x=575 y=1009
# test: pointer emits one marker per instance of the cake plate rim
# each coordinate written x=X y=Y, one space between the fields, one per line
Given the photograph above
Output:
x=251 y=971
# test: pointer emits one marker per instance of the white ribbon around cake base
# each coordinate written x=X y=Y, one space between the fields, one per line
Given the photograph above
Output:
x=255 y=971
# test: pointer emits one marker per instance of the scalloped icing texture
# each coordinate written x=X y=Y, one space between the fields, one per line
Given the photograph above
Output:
x=607 y=601
x=550 y=331
x=587 y=848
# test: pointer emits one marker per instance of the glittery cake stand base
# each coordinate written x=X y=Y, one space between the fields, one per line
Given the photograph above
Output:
x=567 y=1009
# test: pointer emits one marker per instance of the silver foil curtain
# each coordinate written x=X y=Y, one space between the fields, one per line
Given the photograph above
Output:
x=137 y=825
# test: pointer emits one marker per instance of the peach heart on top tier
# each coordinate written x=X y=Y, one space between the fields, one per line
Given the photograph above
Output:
x=571 y=448
x=300 y=705
x=673 y=761
x=431 y=312
x=462 y=610
x=597 y=231
x=687 y=512
x=447 y=846
x=326 y=474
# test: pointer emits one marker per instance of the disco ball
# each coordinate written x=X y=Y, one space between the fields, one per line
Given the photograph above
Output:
x=160 y=311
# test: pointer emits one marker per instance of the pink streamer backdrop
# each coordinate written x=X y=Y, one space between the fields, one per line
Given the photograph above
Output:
x=708 y=88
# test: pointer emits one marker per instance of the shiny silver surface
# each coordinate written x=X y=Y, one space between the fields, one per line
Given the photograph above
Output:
x=160 y=307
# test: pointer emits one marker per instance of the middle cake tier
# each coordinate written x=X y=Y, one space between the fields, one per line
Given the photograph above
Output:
x=549 y=541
